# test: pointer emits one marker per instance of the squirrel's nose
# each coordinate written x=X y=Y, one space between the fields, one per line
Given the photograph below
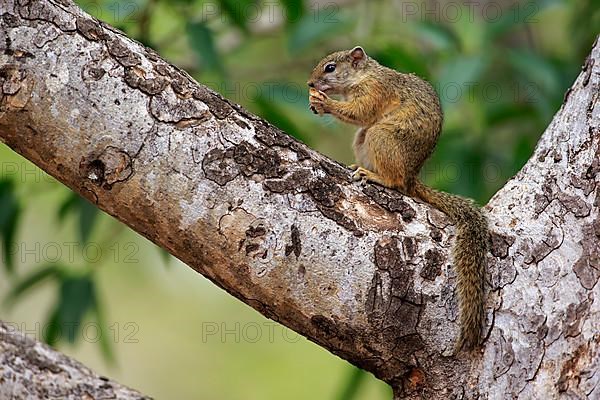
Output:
x=310 y=84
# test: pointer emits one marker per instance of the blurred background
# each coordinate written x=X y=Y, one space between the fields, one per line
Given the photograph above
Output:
x=97 y=291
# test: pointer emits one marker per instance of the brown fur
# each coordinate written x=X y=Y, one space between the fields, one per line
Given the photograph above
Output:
x=400 y=119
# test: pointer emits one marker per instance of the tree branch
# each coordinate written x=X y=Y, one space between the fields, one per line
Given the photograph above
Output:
x=32 y=370
x=362 y=271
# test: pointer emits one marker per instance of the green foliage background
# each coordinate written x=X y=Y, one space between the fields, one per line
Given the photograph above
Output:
x=81 y=281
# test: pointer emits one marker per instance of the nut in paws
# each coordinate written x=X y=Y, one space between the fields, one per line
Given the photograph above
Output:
x=318 y=101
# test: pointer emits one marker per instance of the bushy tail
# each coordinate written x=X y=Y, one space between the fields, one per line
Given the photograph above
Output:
x=469 y=254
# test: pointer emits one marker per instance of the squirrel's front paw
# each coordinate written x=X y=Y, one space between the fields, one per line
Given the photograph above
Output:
x=319 y=101
x=361 y=175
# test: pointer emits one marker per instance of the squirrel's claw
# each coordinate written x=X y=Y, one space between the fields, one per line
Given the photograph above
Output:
x=364 y=175
x=360 y=175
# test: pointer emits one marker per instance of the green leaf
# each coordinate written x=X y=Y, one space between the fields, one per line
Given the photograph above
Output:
x=536 y=69
x=502 y=113
x=202 y=42
x=10 y=212
x=294 y=10
x=355 y=379
x=76 y=297
x=539 y=83
x=88 y=214
x=52 y=332
x=507 y=20
x=240 y=11
x=472 y=188
x=69 y=204
x=36 y=277
x=7 y=200
x=522 y=149
x=401 y=60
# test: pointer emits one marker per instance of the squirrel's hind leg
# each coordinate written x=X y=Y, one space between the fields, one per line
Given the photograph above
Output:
x=388 y=157
x=361 y=154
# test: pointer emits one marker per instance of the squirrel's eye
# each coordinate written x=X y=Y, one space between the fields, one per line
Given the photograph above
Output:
x=330 y=68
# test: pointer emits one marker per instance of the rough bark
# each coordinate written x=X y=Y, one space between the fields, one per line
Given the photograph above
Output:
x=360 y=270
x=32 y=370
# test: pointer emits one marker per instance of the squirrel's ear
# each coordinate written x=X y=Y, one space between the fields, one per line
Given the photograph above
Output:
x=357 y=54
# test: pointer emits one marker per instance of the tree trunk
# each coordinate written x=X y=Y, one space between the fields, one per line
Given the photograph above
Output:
x=363 y=271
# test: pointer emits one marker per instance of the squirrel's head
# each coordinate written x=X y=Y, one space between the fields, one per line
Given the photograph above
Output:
x=338 y=71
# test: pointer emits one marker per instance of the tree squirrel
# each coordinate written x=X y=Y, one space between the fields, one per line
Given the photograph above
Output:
x=400 y=119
